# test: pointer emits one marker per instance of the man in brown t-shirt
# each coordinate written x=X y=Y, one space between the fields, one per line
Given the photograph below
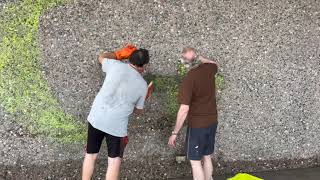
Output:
x=197 y=99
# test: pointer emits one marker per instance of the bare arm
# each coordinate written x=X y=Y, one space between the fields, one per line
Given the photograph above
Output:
x=206 y=60
x=181 y=117
x=104 y=55
x=137 y=111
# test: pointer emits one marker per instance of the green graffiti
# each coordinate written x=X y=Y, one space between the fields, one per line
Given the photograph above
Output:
x=24 y=92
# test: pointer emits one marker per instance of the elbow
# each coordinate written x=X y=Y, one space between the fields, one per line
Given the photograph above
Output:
x=184 y=109
x=108 y=55
x=138 y=111
x=101 y=57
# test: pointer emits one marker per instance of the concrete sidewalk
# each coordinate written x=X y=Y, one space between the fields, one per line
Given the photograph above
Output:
x=292 y=174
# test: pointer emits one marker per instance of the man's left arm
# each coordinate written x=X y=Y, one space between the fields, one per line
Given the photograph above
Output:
x=138 y=109
x=181 y=117
x=206 y=60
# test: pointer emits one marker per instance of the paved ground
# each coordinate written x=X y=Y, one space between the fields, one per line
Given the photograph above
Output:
x=294 y=174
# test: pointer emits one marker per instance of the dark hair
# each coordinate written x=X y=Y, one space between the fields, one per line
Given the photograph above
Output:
x=139 y=57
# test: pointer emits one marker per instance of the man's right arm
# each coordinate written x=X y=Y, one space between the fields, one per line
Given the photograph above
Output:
x=137 y=111
x=108 y=55
x=123 y=53
x=210 y=63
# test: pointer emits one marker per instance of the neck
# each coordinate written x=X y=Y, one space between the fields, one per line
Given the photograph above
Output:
x=139 y=69
x=195 y=63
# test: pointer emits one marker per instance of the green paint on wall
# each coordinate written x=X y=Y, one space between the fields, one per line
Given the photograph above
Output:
x=24 y=92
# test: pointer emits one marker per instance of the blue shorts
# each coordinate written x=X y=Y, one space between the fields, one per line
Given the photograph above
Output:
x=200 y=142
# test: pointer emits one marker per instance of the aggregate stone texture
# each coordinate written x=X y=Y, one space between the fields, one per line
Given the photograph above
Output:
x=268 y=52
x=17 y=145
x=3 y=3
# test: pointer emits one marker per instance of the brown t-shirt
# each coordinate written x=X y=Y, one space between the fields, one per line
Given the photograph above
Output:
x=198 y=91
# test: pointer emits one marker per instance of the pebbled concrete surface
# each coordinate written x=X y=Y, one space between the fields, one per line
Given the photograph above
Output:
x=268 y=52
x=17 y=146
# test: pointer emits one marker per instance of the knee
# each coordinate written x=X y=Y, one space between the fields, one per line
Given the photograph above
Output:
x=114 y=161
x=206 y=158
x=195 y=164
x=91 y=157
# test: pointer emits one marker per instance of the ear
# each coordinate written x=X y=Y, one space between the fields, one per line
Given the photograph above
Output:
x=141 y=69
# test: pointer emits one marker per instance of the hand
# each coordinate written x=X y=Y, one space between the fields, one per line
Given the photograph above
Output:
x=201 y=58
x=172 y=140
x=205 y=60
x=150 y=89
x=125 y=52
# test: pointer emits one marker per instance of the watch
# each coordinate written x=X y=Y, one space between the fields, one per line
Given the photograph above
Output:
x=174 y=133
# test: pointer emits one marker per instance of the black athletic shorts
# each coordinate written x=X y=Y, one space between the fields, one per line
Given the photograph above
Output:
x=200 y=142
x=116 y=145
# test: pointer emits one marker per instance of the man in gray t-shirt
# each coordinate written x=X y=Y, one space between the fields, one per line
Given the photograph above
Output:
x=123 y=92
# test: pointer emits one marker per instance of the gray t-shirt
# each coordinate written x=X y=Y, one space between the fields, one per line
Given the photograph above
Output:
x=123 y=89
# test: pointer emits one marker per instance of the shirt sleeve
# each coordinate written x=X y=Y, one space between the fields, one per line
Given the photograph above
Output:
x=213 y=68
x=185 y=91
x=141 y=100
x=107 y=64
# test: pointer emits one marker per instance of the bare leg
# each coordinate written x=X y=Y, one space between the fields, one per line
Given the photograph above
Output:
x=113 y=169
x=197 y=170
x=88 y=166
x=207 y=167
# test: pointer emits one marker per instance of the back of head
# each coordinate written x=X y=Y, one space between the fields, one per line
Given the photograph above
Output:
x=139 y=57
x=188 y=54
x=188 y=49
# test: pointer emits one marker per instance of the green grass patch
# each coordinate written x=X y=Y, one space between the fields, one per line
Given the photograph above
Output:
x=219 y=82
x=24 y=92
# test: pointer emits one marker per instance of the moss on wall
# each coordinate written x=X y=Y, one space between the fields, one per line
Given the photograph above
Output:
x=23 y=90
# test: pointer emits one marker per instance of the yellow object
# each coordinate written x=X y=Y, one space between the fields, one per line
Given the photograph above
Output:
x=244 y=176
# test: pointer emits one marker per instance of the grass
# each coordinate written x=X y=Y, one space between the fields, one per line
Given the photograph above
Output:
x=24 y=92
